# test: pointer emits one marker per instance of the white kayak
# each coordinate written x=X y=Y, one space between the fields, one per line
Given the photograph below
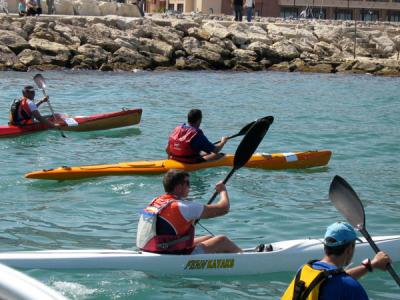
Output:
x=284 y=256
x=17 y=286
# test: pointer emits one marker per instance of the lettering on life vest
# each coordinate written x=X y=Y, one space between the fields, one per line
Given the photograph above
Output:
x=200 y=264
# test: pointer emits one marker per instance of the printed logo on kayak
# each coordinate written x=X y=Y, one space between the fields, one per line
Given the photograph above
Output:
x=199 y=264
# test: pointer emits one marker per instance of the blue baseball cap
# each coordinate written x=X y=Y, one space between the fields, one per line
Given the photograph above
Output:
x=339 y=233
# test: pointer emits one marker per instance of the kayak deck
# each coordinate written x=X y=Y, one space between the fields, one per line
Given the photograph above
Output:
x=275 y=161
x=125 y=117
x=285 y=256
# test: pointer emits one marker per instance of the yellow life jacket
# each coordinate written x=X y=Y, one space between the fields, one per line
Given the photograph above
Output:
x=307 y=282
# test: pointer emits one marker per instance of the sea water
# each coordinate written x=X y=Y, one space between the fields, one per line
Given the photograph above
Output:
x=357 y=117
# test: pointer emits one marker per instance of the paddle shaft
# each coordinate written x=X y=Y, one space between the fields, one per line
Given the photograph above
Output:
x=52 y=112
x=241 y=132
x=390 y=269
x=224 y=182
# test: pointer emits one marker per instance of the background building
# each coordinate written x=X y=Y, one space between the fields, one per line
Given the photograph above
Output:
x=367 y=10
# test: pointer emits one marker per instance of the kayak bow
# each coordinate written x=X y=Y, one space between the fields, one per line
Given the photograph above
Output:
x=284 y=256
x=275 y=161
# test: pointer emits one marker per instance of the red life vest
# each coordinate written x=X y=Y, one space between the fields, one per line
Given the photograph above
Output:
x=165 y=207
x=179 y=147
x=20 y=113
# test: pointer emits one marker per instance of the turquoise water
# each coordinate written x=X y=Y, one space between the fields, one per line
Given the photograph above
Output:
x=357 y=117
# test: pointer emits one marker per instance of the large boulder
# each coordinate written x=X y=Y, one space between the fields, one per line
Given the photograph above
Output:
x=366 y=66
x=190 y=43
x=30 y=57
x=324 y=49
x=239 y=34
x=285 y=49
x=384 y=46
x=329 y=34
x=282 y=30
x=216 y=29
x=108 y=8
x=128 y=10
x=87 y=8
x=156 y=46
x=64 y=7
x=130 y=57
x=7 y=57
x=191 y=63
x=48 y=47
x=94 y=52
x=199 y=33
x=184 y=25
x=13 y=41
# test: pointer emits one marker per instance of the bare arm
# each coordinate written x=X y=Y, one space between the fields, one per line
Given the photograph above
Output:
x=42 y=120
x=380 y=261
x=221 y=207
x=42 y=101
x=220 y=145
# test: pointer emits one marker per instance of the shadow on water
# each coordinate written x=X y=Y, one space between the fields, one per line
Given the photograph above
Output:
x=114 y=133
x=49 y=185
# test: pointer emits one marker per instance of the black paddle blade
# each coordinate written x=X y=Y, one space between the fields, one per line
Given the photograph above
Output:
x=245 y=129
x=251 y=140
x=39 y=80
x=345 y=199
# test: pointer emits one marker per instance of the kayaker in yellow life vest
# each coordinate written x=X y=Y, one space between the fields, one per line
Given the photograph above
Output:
x=24 y=111
x=326 y=279
x=187 y=143
x=166 y=225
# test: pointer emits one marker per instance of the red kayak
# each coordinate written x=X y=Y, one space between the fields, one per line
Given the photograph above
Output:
x=125 y=117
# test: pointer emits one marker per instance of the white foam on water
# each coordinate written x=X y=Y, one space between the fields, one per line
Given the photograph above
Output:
x=72 y=290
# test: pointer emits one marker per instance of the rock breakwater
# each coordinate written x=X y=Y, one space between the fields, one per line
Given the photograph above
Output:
x=114 y=43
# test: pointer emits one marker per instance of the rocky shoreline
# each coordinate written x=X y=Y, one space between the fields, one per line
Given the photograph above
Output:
x=195 y=42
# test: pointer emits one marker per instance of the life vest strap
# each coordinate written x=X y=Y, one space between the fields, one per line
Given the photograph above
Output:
x=166 y=245
x=300 y=292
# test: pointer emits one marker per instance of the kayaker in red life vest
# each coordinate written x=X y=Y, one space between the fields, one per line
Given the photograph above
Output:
x=340 y=239
x=26 y=110
x=188 y=144
x=167 y=224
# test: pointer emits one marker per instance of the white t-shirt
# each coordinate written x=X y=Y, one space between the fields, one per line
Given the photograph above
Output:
x=32 y=106
x=249 y=3
x=190 y=210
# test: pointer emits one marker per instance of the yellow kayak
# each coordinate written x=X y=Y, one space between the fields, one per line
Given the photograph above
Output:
x=275 y=161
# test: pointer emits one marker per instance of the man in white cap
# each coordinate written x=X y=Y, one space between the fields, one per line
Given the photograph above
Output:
x=326 y=278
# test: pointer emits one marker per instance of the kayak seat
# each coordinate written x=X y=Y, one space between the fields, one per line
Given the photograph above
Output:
x=264 y=248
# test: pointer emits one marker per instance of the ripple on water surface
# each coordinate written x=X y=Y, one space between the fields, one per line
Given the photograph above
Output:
x=356 y=117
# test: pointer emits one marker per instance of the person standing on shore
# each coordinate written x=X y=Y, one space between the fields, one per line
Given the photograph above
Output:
x=21 y=8
x=326 y=278
x=50 y=6
x=31 y=7
x=238 y=8
x=4 y=6
x=249 y=4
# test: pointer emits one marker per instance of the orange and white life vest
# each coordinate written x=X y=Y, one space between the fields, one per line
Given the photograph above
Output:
x=164 y=207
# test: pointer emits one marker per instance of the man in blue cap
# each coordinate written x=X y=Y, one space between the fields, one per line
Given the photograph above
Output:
x=325 y=279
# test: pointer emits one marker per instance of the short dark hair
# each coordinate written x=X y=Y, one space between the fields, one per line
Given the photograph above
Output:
x=28 y=89
x=173 y=178
x=194 y=115
x=336 y=250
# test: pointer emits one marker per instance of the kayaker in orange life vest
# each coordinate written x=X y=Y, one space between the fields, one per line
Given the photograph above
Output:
x=27 y=110
x=166 y=225
x=188 y=144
